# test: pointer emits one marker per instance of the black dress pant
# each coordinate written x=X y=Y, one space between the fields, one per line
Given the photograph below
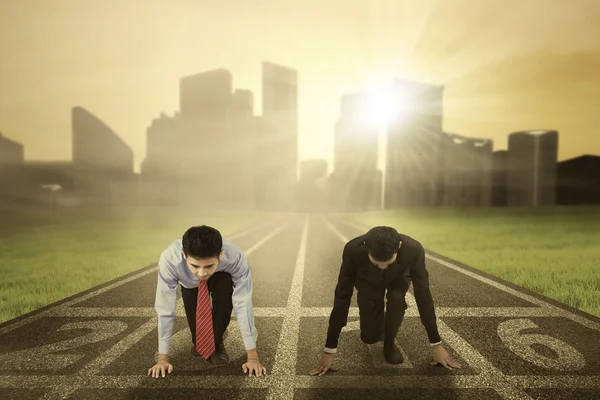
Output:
x=375 y=322
x=220 y=287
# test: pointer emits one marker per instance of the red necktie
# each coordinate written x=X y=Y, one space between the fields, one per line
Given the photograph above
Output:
x=205 y=339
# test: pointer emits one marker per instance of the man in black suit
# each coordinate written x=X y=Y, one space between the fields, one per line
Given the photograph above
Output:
x=379 y=260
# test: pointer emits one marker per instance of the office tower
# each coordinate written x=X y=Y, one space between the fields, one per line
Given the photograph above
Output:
x=532 y=159
x=97 y=146
x=206 y=95
x=578 y=181
x=277 y=144
x=102 y=161
x=414 y=143
x=353 y=184
x=499 y=178
x=11 y=152
x=311 y=186
x=466 y=170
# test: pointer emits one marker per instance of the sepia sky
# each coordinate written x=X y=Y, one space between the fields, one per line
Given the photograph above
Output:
x=506 y=65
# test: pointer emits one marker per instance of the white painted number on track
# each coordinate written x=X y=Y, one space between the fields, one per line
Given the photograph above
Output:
x=569 y=359
x=46 y=357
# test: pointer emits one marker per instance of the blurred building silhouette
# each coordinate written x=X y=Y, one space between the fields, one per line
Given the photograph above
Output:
x=355 y=183
x=578 y=181
x=101 y=171
x=11 y=152
x=202 y=155
x=466 y=170
x=276 y=142
x=102 y=161
x=216 y=152
x=312 y=186
x=499 y=178
x=27 y=184
x=12 y=156
x=532 y=160
x=414 y=145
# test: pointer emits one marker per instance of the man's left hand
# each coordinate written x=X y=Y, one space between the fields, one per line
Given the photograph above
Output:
x=441 y=356
x=253 y=365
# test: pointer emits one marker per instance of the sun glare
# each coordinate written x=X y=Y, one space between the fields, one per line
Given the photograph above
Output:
x=384 y=106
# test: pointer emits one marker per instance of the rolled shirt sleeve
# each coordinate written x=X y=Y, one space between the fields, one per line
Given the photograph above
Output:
x=165 y=303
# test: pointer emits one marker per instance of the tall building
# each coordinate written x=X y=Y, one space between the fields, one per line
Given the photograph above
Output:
x=414 y=145
x=532 y=160
x=466 y=170
x=11 y=165
x=96 y=146
x=276 y=146
x=11 y=152
x=578 y=181
x=203 y=155
x=313 y=170
x=353 y=184
x=161 y=168
x=102 y=161
x=206 y=95
x=311 y=186
x=499 y=178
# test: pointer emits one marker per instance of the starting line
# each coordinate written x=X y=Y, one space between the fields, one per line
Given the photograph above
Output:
x=281 y=380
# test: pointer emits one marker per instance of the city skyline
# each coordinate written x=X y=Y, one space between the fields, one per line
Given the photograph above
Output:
x=128 y=77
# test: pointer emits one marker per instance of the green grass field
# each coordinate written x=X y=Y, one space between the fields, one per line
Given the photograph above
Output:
x=553 y=251
x=47 y=257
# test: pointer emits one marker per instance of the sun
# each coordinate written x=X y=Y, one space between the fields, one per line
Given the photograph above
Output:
x=384 y=105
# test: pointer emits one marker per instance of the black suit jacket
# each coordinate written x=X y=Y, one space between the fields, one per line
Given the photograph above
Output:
x=357 y=267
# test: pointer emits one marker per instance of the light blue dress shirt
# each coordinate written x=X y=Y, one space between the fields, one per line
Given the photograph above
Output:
x=172 y=270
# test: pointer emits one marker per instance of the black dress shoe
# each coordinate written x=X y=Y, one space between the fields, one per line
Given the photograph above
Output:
x=219 y=356
x=392 y=353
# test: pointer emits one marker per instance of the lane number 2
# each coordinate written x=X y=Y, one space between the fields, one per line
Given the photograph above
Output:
x=49 y=356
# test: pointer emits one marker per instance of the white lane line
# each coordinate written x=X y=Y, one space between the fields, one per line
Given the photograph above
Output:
x=50 y=311
x=233 y=381
x=284 y=366
x=556 y=381
x=376 y=351
x=124 y=344
x=556 y=311
x=479 y=363
x=108 y=357
x=299 y=381
x=467 y=352
x=149 y=312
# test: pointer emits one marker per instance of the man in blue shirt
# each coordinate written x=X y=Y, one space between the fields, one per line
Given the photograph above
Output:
x=202 y=256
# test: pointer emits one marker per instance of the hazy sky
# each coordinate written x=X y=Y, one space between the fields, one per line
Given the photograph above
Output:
x=122 y=60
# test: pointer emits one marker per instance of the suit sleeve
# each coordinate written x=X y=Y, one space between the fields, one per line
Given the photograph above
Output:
x=341 y=303
x=420 y=280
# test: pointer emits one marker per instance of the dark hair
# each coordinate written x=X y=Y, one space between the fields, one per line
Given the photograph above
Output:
x=202 y=242
x=382 y=242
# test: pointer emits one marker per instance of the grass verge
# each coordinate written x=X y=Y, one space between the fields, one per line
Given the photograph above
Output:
x=48 y=256
x=554 y=251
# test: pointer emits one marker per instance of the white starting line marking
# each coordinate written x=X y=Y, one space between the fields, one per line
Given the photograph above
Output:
x=448 y=381
x=282 y=379
x=95 y=367
x=284 y=366
x=554 y=310
x=83 y=298
x=149 y=312
x=569 y=357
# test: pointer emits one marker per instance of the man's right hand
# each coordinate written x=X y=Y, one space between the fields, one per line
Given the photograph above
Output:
x=160 y=368
x=324 y=364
